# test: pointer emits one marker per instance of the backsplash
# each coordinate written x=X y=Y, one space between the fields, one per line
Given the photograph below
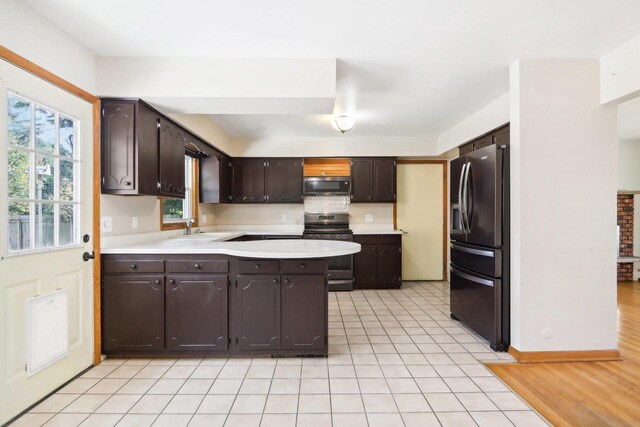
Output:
x=336 y=204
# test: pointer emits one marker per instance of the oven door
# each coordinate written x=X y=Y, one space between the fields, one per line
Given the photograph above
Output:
x=340 y=267
x=327 y=186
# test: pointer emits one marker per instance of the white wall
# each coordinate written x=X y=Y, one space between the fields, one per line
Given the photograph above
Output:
x=563 y=215
x=620 y=72
x=223 y=85
x=32 y=36
x=629 y=166
x=491 y=116
x=318 y=147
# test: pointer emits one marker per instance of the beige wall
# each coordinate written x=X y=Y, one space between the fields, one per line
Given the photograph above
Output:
x=628 y=170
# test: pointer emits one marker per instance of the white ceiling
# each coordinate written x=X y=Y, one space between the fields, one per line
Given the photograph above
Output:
x=629 y=119
x=405 y=68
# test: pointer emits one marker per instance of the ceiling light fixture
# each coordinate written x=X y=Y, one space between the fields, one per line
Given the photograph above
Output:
x=343 y=123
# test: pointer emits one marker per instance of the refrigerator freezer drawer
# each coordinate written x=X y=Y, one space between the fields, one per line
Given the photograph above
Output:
x=476 y=301
x=485 y=261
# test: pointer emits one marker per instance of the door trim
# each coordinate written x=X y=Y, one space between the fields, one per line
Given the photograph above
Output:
x=32 y=68
x=445 y=206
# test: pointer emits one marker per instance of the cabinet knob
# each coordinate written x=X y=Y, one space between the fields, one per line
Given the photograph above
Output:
x=133 y=266
x=286 y=281
x=275 y=281
x=257 y=266
x=127 y=183
x=303 y=266
x=171 y=281
x=157 y=282
x=198 y=266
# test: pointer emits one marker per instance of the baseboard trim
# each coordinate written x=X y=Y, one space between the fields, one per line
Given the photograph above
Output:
x=565 y=356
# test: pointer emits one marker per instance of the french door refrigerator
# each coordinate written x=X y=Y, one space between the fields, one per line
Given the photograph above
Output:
x=479 y=268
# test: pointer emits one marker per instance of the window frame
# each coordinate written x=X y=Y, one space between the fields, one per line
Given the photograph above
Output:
x=32 y=200
x=179 y=224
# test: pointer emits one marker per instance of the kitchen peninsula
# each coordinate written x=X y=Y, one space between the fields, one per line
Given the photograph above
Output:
x=199 y=296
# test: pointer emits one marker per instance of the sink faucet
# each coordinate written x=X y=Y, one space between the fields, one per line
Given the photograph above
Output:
x=190 y=223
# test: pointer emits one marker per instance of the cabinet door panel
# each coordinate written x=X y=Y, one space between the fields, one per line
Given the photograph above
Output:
x=365 y=267
x=258 y=303
x=196 y=312
x=303 y=312
x=389 y=266
x=361 y=180
x=226 y=179
x=171 y=160
x=384 y=180
x=237 y=185
x=293 y=180
x=254 y=180
x=132 y=313
x=275 y=180
x=118 y=146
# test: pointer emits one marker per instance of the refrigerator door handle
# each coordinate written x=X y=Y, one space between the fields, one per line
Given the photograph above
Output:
x=461 y=196
x=471 y=278
x=472 y=251
x=465 y=192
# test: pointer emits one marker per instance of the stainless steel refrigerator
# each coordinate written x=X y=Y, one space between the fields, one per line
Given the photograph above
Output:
x=479 y=268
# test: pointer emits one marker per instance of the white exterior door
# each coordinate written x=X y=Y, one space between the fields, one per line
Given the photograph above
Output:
x=45 y=209
x=420 y=214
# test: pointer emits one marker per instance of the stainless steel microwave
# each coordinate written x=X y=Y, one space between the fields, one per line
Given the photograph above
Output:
x=327 y=186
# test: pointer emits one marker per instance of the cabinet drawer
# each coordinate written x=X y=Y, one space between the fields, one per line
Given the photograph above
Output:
x=304 y=266
x=198 y=266
x=389 y=239
x=133 y=266
x=257 y=266
x=367 y=239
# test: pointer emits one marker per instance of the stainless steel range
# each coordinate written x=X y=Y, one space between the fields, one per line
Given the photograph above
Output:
x=332 y=226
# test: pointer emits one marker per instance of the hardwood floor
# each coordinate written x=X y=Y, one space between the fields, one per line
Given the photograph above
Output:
x=587 y=393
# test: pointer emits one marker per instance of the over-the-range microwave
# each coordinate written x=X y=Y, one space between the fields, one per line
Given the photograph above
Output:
x=327 y=186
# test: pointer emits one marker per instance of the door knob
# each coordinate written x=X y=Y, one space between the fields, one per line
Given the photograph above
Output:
x=87 y=256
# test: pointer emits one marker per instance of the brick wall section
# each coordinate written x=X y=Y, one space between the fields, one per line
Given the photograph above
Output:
x=625 y=221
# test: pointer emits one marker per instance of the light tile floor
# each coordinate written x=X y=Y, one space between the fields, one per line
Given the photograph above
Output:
x=396 y=359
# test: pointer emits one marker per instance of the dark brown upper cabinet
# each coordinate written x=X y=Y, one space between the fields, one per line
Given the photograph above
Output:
x=171 y=160
x=498 y=136
x=196 y=312
x=373 y=179
x=133 y=313
x=248 y=180
x=384 y=180
x=216 y=177
x=283 y=181
x=129 y=146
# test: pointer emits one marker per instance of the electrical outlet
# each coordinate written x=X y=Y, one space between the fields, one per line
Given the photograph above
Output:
x=284 y=218
x=204 y=219
x=106 y=224
x=134 y=222
x=368 y=218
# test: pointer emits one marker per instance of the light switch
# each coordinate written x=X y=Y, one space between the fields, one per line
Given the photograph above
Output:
x=284 y=218
x=134 y=222
x=106 y=224
x=368 y=218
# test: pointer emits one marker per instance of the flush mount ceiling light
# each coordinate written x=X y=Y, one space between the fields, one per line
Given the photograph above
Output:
x=343 y=123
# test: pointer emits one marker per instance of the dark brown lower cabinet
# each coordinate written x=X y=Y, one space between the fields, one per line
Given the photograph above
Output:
x=132 y=313
x=196 y=312
x=379 y=263
x=258 y=312
x=389 y=266
x=364 y=266
x=304 y=302
x=213 y=305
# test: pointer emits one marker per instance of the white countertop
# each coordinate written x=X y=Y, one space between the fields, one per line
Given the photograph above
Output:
x=359 y=229
x=211 y=243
